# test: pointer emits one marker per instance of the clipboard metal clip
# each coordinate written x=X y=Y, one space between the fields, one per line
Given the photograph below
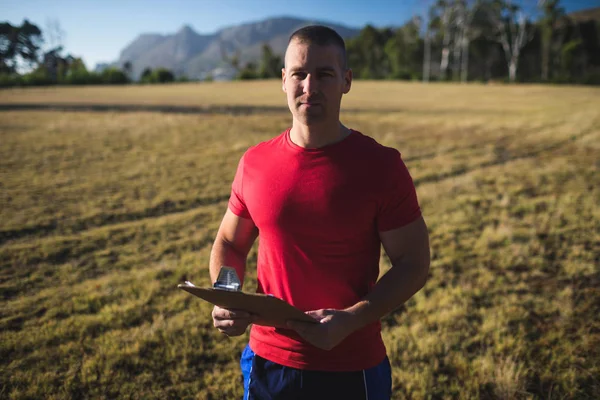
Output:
x=228 y=280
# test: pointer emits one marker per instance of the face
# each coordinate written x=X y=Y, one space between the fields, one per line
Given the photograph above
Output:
x=314 y=81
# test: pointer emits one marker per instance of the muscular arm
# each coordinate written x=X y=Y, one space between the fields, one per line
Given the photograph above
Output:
x=408 y=249
x=234 y=239
x=232 y=244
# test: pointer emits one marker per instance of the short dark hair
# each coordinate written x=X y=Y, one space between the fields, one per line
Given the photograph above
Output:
x=322 y=36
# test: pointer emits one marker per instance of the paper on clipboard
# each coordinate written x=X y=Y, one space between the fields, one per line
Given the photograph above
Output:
x=270 y=310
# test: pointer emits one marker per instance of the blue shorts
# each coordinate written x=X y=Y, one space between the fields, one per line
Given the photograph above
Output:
x=266 y=380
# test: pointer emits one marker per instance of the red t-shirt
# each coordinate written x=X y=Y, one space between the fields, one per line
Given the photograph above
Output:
x=319 y=212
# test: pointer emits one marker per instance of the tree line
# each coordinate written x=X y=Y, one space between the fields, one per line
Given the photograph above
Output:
x=482 y=40
x=20 y=49
x=456 y=40
x=470 y=40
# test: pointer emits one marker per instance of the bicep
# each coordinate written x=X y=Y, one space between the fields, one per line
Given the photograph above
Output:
x=239 y=233
x=408 y=243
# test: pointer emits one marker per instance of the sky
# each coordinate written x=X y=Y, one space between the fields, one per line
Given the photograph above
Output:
x=97 y=30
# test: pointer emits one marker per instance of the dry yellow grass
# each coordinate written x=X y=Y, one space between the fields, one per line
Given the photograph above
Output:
x=102 y=213
x=377 y=96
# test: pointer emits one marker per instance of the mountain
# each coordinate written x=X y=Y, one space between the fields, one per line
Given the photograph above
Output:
x=194 y=55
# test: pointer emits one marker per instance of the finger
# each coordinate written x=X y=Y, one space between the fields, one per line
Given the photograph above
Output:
x=239 y=314
x=224 y=313
x=317 y=314
x=223 y=323
x=233 y=316
x=232 y=331
x=230 y=323
x=220 y=310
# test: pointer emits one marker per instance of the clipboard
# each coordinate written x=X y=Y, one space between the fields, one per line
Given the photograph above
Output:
x=226 y=293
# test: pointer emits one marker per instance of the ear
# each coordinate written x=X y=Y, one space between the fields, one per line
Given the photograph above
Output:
x=283 y=77
x=347 y=81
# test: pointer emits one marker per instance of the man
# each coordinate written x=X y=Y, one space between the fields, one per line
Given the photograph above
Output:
x=324 y=198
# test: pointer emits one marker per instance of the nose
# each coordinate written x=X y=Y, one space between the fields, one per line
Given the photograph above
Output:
x=310 y=84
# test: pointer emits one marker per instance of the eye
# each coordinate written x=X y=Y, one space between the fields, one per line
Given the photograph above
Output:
x=325 y=74
x=299 y=75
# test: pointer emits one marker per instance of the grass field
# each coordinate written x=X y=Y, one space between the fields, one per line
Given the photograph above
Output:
x=109 y=197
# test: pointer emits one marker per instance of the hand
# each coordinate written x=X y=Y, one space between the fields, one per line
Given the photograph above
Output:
x=333 y=327
x=231 y=322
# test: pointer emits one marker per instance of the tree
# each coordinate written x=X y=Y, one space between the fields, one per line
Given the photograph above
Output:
x=233 y=60
x=459 y=24
x=114 y=76
x=442 y=13
x=159 y=75
x=77 y=73
x=403 y=51
x=29 y=42
x=163 y=75
x=452 y=19
x=146 y=75
x=54 y=35
x=53 y=64
x=366 y=53
x=128 y=68
x=248 y=72
x=270 y=65
x=427 y=55
x=511 y=31
x=8 y=47
x=575 y=55
x=466 y=30
x=19 y=46
x=552 y=12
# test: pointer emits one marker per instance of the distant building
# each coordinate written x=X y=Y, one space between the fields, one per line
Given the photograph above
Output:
x=222 y=73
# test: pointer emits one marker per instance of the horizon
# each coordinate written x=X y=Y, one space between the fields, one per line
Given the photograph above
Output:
x=95 y=45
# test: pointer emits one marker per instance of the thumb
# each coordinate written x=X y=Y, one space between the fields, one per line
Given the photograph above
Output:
x=318 y=314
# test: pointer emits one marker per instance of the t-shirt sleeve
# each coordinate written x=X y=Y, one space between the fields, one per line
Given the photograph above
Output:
x=237 y=205
x=398 y=204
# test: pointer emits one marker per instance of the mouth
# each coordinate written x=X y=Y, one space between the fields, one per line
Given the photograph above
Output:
x=310 y=104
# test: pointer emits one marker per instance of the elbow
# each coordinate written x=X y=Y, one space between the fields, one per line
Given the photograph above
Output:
x=423 y=273
x=424 y=276
x=425 y=267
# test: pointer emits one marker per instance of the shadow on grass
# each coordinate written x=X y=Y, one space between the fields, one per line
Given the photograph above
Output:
x=503 y=157
x=215 y=109
x=174 y=109
x=496 y=141
x=165 y=208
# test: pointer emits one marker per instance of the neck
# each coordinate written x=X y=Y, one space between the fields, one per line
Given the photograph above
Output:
x=316 y=136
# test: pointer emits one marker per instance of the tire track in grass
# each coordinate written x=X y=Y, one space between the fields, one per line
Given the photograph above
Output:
x=169 y=207
x=166 y=207
x=103 y=249
x=504 y=160
x=481 y=144
x=218 y=109
x=121 y=108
